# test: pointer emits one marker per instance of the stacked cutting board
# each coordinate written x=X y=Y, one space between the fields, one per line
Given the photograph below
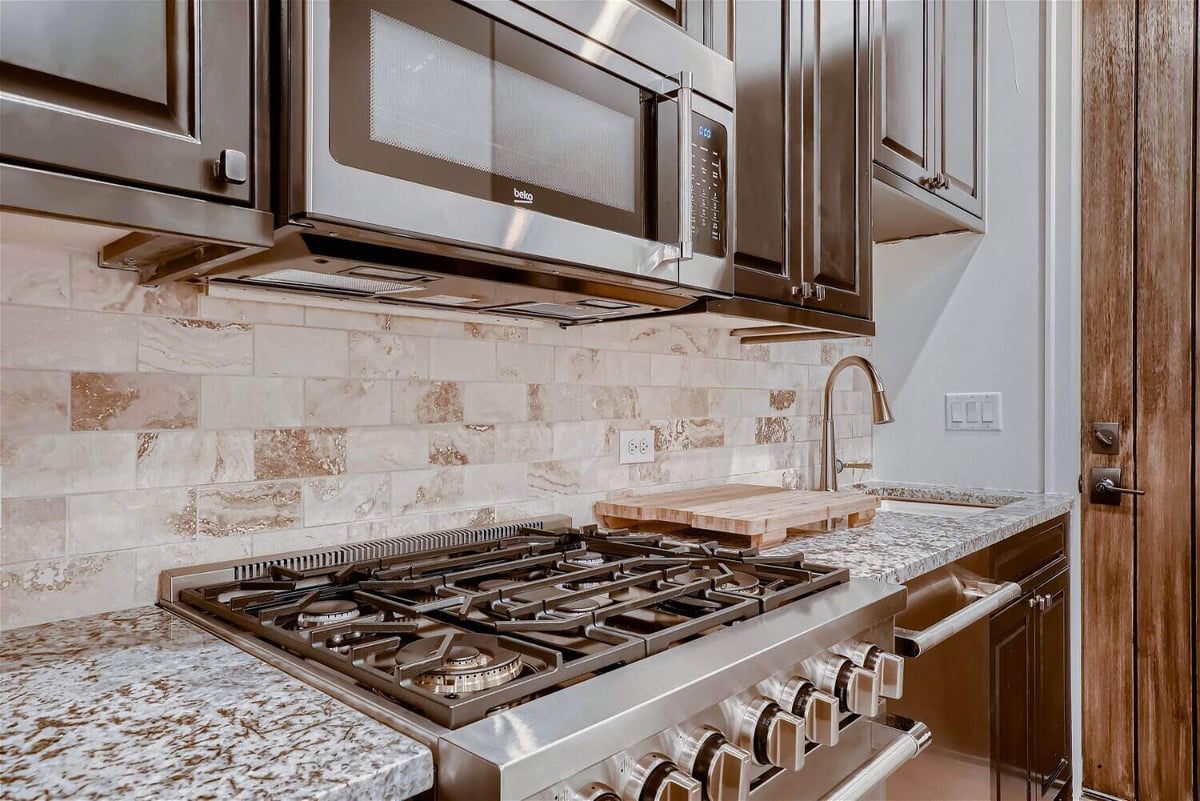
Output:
x=746 y=513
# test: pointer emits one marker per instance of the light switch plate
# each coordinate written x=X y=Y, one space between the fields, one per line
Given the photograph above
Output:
x=637 y=447
x=973 y=411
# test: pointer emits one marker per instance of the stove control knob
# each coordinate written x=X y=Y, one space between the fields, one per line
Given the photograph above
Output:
x=889 y=667
x=594 y=792
x=773 y=736
x=817 y=709
x=856 y=688
x=722 y=768
x=656 y=778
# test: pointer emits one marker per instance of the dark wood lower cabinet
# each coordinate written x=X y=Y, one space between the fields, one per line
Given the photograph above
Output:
x=1030 y=667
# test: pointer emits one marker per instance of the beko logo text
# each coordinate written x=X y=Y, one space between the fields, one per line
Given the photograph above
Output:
x=522 y=196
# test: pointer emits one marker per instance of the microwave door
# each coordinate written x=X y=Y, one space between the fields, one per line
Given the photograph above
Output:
x=498 y=131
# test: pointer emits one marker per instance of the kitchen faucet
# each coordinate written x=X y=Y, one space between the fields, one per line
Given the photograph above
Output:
x=830 y=465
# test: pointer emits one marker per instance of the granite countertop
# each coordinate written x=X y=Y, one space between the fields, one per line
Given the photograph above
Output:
x=899 y=546
x=142 y=704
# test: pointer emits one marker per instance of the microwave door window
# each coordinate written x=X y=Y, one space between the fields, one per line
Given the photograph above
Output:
x=453 y=99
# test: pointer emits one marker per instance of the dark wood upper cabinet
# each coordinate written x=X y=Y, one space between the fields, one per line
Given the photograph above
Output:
x=148 y=93
x=803 y=150
x=928 y=64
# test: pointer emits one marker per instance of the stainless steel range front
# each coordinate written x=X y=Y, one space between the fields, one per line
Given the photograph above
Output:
x=542 y=661
x=567 y=159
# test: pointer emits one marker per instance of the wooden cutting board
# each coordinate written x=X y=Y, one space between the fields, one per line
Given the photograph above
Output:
x=751 y=512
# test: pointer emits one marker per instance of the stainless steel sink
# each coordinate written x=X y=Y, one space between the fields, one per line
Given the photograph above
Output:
x=931 y=509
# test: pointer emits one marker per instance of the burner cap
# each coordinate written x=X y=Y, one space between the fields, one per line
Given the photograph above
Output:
x=322 y=613
x=587 y=559
x=473 y=662
x=589 y=604
x=742 y=583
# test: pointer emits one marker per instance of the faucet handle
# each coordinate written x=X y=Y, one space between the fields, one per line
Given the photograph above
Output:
x=840 y=465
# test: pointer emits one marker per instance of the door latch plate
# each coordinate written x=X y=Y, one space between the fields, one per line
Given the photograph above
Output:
x=1098 y=474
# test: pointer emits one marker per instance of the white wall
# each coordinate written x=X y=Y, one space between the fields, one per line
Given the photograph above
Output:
x=964 y=313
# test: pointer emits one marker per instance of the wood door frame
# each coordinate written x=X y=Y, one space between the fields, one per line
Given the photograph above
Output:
x=1140 y=238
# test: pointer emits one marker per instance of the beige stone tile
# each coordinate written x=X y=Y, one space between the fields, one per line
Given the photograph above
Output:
x=462 y=360
x=577 y=440
x=611 y=403
x=682 y=435
x=491 y=484
x=705 y=371
x=245 y=311
x=299 y=452
x=528 y=364
x=496 y=333
x=65 y=339
x=134 y=401
x=33 y=528
x=628 y=368
x=151 y=562
x=578 y=366
x=554 y=403
x=462 y=444
x=57 y=589
x=348 y=320
x=523 y=510
x=463 y=518
x=576 y=476
x=269 y=543
x=308 y=352
x=654 y=337
x=524 y=442
x=344 y=499
x=755 y=353
x=696 y=341
x=34 y=276
x=782 y=400
x=114 y=521
x=179 y=345
x=371 y=450
x=494 y=403
x=94 y=287
x=35 y=401
x=57 y=464
x=667 y=370
x=739 y=373
x=234 y=510
x=388 y=528
x=772 y=429
x=244 y=401
x=176 y=458
x=385 y=355
x=427 y=490
x=739 y=431
x=347 y=402
x=673 y=402
x=427 y=402
x=552 y=334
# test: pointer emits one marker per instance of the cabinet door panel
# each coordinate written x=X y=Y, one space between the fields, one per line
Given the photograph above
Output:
x=760 y=54
x=116 y=88
x=1052 y=732
x=832 y=239
x=902 y=66
x=1012 y=655
x=960 y=107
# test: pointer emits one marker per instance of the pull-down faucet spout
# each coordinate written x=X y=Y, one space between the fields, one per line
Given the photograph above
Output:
x=881 y=412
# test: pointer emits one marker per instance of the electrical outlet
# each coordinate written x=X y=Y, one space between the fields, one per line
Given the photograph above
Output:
x=973 y=411
x=637 y=447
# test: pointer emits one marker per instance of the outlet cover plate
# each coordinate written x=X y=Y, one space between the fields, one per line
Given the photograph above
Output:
x=637 y=447
x=974 y=411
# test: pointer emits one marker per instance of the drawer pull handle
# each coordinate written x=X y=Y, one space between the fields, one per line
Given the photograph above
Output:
x=992 y=597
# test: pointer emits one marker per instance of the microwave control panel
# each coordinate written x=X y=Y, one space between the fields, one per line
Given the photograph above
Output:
x=709 y=185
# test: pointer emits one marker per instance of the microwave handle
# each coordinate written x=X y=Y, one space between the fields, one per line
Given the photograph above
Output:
x=683 y=101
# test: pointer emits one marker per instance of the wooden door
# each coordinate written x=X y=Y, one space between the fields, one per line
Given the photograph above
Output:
x=1051 y=733
x=1012 y=655
x=903 y=68
x=829 y=217
x=146 y=92
x=961 y=36
x=1139 y=239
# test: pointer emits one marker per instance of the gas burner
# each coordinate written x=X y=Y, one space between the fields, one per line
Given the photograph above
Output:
x=323 y=613
x=471 y=663
x=740 y=583
x=587 y=559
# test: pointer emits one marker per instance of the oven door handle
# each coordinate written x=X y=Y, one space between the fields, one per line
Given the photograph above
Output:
x=992 y=597
x=679 y=87
x=914 y=738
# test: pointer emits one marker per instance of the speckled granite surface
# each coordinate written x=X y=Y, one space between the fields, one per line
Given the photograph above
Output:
x=898 y=546
x=143 y=705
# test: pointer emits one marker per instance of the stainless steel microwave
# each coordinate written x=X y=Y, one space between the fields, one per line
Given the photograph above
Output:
x=569 y=159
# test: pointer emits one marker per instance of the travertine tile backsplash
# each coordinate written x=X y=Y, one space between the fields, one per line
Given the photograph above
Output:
x=150 y=427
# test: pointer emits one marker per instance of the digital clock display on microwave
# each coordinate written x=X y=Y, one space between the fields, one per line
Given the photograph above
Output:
x=709 y=185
